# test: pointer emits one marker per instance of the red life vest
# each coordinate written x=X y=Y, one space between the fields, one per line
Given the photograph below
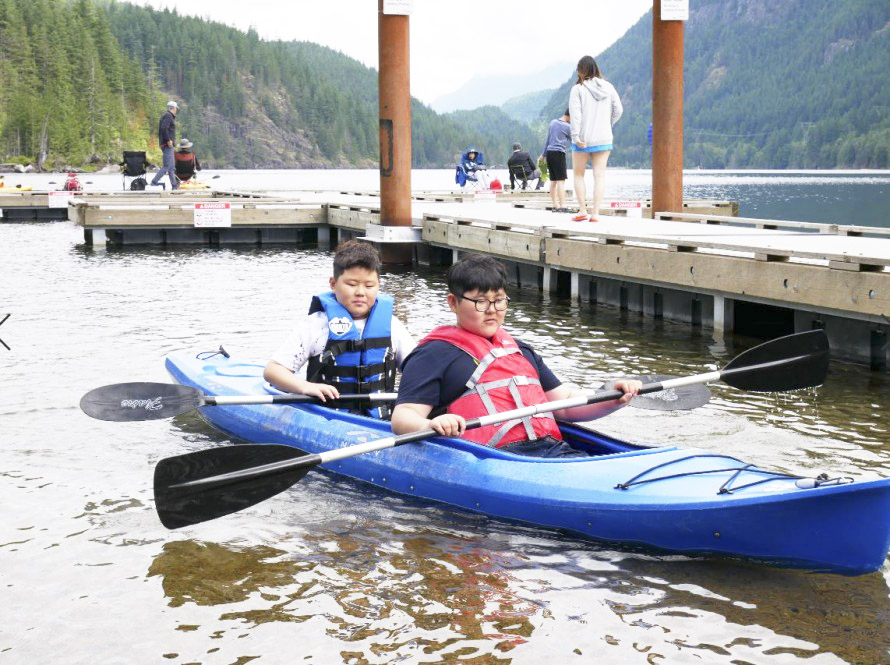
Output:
x=504 y=380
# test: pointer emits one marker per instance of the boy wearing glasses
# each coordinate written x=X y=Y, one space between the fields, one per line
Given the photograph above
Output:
x=475 y=368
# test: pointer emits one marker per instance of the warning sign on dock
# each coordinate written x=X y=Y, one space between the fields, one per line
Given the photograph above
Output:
x=58 y=199
x=631 y=208
x=213 y=215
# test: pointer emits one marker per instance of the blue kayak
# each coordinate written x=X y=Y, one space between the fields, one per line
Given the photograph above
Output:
x=667 y=498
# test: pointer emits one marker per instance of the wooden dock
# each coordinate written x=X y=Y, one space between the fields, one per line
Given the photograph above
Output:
x=175 y=220
x=755 y=276
x=762 y=277
x=53 y=205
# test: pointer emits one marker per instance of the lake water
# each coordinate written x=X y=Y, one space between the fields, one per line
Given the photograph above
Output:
x=333 y=571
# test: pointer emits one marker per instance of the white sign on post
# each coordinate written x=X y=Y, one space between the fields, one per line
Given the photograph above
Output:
x=398 y=7
x=58 y=199
x=213 y=215
x=674 y=10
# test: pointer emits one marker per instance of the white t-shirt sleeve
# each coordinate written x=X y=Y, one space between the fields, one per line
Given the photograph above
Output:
x=402 y=342
x=308 y=338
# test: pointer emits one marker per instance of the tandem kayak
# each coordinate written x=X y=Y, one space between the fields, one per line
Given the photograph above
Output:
x=667 y=498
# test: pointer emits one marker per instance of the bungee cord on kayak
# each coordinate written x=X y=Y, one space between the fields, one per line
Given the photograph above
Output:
x=727 y=486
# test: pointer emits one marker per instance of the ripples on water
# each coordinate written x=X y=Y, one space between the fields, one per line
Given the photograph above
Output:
x=337 y=572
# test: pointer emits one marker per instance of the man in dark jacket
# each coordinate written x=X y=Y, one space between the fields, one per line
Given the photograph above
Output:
x=166 y=140
x=521 y=158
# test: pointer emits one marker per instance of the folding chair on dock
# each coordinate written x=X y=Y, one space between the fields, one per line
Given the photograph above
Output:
x=134 y=166
x=518 y=174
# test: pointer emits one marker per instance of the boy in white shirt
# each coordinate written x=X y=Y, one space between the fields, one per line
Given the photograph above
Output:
x=350 y=339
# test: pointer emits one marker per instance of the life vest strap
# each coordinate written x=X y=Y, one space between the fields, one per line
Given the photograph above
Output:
x=358 y=372
x=510 y=424
x=484 y=364
x=517 y=380
x=351 y=345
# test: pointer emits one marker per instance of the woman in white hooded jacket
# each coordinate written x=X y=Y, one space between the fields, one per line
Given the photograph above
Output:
x=594 y=107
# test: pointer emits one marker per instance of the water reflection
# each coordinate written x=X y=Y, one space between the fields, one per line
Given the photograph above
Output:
x=796 y=613
x=419 y=594
x=380 y=592
x=214 y=574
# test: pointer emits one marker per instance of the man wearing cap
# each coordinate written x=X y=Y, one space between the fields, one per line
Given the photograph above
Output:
x=166 y=139
x=186 y=161
x=521 y=158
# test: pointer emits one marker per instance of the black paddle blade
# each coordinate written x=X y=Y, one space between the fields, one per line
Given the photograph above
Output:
x=786 y=363
x=684 y=398
x=128 y=402
x=179 y=506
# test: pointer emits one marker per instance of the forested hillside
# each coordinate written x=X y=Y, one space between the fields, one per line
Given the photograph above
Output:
x=86 y=80
x=768 y=84
x=65 y=85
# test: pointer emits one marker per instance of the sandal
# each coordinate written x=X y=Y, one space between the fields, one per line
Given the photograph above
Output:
x=579 y=218
x=593 y=219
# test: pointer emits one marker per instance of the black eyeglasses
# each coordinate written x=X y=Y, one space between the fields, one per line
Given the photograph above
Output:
x=482 y=304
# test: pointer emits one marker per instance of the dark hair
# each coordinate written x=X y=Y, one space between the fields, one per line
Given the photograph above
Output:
x=476 y=272
x=588 y=69
x=355 y=254
x=567 y=113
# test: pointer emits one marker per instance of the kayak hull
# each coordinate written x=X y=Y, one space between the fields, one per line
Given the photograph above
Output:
x=667 y=498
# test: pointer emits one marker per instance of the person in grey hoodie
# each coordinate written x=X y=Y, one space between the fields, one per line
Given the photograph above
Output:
x=594 y=107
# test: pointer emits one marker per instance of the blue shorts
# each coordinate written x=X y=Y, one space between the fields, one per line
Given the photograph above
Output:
x=592 y=148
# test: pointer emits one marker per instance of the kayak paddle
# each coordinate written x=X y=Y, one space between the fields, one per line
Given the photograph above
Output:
x=128 y=402
x=682 y=398
x=207 y=484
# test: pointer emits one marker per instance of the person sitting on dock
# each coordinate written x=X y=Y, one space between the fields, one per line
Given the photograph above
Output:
x=186 y=161
x=72 y=184
x=521 y=161
x=472 y=168
x=350 y=339
x=476 y=368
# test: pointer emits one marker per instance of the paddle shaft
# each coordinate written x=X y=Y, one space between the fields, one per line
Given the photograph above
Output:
x=230 y=400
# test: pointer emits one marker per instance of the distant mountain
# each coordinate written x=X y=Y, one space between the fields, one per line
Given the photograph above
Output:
x=83 y=80
x=497 y=133
x=768 y=84
x=527 y=108
x=496 y=89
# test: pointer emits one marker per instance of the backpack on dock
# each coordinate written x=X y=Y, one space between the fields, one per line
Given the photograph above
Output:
x=138 y=184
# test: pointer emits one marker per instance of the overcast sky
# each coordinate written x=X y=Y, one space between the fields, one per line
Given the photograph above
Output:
x=451 y=41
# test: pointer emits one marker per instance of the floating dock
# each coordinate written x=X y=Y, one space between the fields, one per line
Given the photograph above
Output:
x=758 y=277
x=52 y=206
x=703 y=267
